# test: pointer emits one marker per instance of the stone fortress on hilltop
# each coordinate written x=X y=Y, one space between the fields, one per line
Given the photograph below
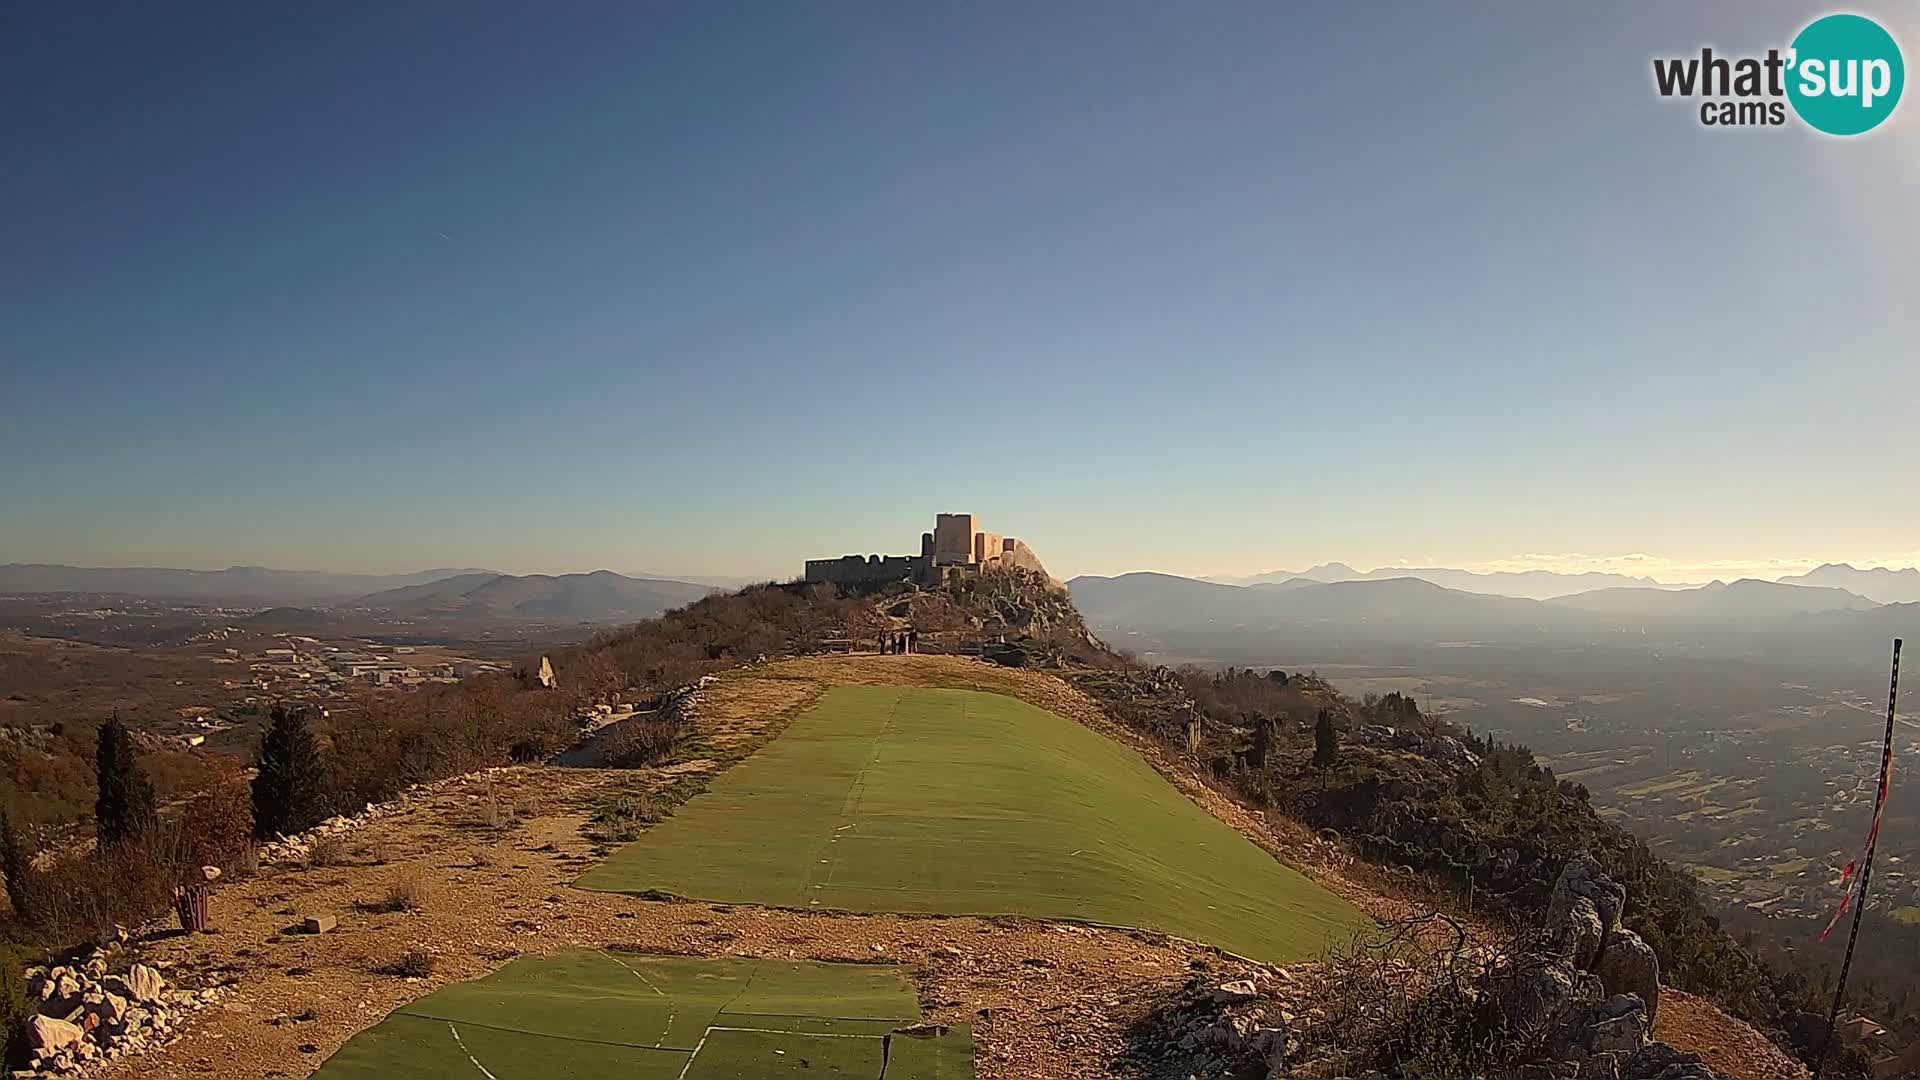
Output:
x=955 y=546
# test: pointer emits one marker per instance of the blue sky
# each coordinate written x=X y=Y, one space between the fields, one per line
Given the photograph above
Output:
x=717 y=287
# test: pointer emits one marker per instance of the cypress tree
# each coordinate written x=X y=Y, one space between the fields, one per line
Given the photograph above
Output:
x=125 y=807
x=289 y=790
x=15 y=1011
x=1262 y=741
x=14 y=863
x=1326 y=743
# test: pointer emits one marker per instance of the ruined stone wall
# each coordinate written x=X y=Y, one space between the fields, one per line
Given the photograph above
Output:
x=1014 y=552
x=986 y=546
x=953 y=538
x=956 y=543
x=867 y=570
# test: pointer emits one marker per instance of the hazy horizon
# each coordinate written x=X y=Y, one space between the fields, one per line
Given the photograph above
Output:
x=1664 y=571
x=398 y=286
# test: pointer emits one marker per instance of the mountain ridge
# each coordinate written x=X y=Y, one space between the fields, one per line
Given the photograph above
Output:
x=599 y=596
x=1518 y=584
x=234 y=584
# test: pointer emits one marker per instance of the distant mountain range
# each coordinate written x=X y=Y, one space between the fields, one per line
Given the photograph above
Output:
x=1522 y=584
x=1388 y=621
x=1878 y=583
x=242 y=586
x=1746 y=597
x=1162 y=602
x=601 y=596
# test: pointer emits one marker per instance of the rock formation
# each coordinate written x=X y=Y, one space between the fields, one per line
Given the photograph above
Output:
x=1574 y=1001
x=84 y=1015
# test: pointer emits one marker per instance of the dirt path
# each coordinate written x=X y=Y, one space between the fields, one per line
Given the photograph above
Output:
x=1696 y=1024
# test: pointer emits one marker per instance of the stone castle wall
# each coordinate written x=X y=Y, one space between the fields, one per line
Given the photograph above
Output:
x=953 y=536
x=868 y=569
x=956 y=544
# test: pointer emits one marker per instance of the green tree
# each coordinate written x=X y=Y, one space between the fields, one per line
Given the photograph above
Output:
x=1262 y=741
x=289 y=792
x=1326 y=742
x=15 y=1011
x=125 y=806
x=14 y=863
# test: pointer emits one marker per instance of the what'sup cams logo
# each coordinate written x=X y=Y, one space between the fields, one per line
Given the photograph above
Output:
x=1842 y=75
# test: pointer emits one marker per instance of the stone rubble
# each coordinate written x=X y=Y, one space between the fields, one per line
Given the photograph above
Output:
x=87 y=1016
x=1238 y=1027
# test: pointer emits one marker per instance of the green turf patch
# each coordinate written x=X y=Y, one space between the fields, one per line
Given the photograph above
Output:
x=403 y=1047
x=753 y=1055
x=965 y=803
x=946 y=1057
x=581 y=1015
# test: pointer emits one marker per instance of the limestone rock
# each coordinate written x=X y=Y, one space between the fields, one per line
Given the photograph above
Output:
x=1584 y=899
x=1232 y=993
x=1628 y=966
x=144 y=984
x=47 y=1035
x=1621 y=1026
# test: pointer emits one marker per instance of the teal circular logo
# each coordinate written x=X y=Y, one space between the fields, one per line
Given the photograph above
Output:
x=1844 y=74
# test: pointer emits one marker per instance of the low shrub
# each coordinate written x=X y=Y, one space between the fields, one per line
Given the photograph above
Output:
x=327 y=851
x=622 y=818
x=636 y=743
x=412 y=964
x=406 y=892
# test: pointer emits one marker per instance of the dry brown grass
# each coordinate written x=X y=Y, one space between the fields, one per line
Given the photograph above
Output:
x=412 y=964
x=406 y=891
x=327 y=851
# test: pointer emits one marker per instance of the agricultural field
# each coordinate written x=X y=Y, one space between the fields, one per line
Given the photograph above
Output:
x=597 y=1014
x=890 y=799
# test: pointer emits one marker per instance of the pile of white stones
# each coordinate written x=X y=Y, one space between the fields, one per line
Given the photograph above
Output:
x=86 y=1016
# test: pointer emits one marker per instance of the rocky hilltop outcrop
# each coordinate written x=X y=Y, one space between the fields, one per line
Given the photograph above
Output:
x=1584 y=990
x=1573 y=999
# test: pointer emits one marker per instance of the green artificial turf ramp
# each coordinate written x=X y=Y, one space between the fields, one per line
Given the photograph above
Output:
x=966 y=803
x=948 y=1057
x=403 y=1047
x=589 y=1015
x=753 y=1055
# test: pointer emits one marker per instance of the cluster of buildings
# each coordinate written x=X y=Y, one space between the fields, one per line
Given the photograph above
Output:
x=307 y=668
x=957 y=545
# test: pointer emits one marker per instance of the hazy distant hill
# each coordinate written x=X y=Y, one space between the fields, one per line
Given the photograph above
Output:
x=1403 y=621
x=238 y=585
x=1164 y=602
x=727 y=582
x=602 y=596
x=1744 y=598
x=1879 y=583
x=1520 y=584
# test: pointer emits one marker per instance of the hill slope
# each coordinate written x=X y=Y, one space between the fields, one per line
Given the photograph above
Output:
x=244 y=585
x=601 y=596
x=1518 y=584
x=1740 y=599
x=1878 y=584
x=958 y=802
